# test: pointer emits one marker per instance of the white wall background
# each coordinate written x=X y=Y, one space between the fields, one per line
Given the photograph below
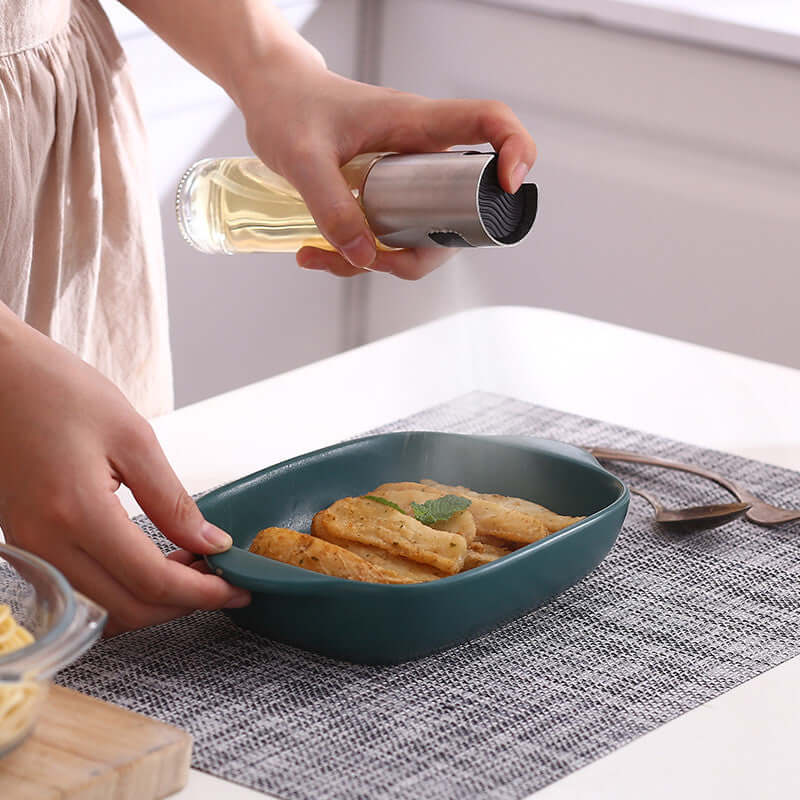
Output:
x=670 y=173
x=669 y=176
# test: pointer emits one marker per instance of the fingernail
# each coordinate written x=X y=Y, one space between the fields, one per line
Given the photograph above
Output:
x=216 y=538
x=360 y=252
x=239 y=599
x=518 y=175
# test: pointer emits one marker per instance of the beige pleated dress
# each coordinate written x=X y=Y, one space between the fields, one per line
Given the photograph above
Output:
x=81 y=256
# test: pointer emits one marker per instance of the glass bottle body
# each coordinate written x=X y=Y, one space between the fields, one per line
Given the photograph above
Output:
x=239 y=205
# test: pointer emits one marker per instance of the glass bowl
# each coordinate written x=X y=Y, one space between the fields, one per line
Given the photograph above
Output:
x=64 y=624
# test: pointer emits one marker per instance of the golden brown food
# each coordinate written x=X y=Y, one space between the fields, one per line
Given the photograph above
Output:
x=302 y=550
x=19 y=699
x=368 y=522
x=13 y=636
x=511 y=519
x=552 y=521
x=493 y=541
x=396 y=566
x=484 y=552
x=380 y=537
x=404 y=494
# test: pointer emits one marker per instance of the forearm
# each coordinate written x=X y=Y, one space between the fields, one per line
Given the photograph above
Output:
x=225 y=40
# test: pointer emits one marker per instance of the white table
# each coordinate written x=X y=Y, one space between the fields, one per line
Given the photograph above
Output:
x=740 y=745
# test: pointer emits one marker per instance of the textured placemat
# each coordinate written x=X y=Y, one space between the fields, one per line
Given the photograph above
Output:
x=664 y=624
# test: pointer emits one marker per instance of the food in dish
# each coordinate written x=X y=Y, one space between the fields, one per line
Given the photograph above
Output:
x=302 y=550
x=510 y=519
x=482 y=552
x=405 y=494
x=366 y=522
x=19 y=698
x=410 y=532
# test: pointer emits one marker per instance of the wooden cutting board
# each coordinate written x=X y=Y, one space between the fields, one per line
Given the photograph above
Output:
x=85 y=749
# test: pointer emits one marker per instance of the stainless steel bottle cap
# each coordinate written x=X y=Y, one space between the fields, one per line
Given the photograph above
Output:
x=450 y=199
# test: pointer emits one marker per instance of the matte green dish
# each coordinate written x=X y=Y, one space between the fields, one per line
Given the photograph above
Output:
x=380 y=624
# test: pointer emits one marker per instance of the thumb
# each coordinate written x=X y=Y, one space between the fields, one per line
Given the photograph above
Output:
x=335 y=210
x=144 y=469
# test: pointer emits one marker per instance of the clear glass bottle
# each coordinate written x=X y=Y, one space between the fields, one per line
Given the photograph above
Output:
x=450 y=199
x=239 y=205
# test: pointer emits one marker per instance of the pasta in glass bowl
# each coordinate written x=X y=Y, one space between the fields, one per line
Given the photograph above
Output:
x=44 y=625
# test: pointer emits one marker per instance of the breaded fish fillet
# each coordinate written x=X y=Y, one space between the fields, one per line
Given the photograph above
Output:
x=493 y=541
x=302 y=550
x=406 y=493
x=481 y=553
x=487 y=506
x=494 y=519
x=397 y=566
x=552 y=521
x=356 y=519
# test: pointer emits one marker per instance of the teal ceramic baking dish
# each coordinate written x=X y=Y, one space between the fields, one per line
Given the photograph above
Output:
x=382 y=624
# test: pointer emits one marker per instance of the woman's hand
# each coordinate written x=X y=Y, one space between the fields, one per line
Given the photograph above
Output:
x=305 y=122
x=68 y=438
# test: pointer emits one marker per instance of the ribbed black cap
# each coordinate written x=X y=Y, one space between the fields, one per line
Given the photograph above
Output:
x=506 y=217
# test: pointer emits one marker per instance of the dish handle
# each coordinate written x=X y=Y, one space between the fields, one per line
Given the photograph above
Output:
x=250 y=571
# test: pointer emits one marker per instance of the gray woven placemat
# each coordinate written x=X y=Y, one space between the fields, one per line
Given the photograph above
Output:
x=664 y=624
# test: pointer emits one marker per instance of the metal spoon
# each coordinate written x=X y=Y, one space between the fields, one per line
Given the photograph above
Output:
x=693 y=518
x=760 y=512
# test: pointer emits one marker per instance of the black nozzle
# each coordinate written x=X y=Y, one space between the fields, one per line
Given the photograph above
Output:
x=506 y=217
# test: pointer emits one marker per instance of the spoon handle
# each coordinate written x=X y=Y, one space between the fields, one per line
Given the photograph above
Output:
x=657 y=507
x=637 y=458
x=760 y=512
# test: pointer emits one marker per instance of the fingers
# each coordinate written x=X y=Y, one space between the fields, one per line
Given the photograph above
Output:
x=144 y=469
x=406 y=264
x=325 y=260
x=189 y=559
x=133 y=560
x=411 y=265
x=419 y=124
x=125 y=610
x=184 y=557
x=474 y=121
x=514 y=161
x=317 y=176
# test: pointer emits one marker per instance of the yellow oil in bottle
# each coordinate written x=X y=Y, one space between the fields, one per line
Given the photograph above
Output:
x=238 y=205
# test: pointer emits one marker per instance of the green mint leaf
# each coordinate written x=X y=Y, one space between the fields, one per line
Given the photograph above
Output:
x=442 y=508
x=384 y=501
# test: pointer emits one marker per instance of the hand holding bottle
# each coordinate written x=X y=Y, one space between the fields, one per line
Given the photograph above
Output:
x=304 y=122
